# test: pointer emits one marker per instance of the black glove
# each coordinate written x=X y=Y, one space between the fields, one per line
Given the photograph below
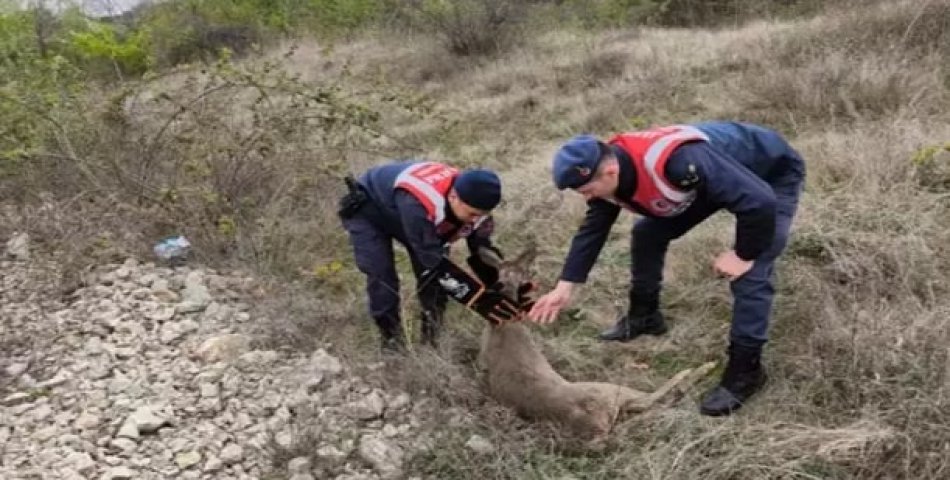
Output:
x=353 y=201
x=495 y=307
x=485 y=272
x=525 y=301
x=469 y=291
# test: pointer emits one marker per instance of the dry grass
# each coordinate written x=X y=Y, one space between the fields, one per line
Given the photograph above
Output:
x=859 y=358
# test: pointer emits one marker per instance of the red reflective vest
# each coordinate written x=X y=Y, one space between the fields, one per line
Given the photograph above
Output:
x=430 y=183
x=649 y=150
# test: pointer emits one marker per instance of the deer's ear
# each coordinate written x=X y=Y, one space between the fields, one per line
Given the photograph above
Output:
x=490 y=257
x=527 y=256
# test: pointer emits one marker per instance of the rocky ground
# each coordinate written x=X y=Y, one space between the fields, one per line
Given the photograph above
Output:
x=147 y=372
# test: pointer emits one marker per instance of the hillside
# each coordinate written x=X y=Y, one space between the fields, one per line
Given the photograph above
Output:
x=244 y=155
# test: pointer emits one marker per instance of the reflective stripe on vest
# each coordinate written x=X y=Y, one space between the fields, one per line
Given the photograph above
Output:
x=649 y=150
x=429 y=182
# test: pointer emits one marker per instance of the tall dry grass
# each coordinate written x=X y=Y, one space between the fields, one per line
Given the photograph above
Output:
x=859 y=354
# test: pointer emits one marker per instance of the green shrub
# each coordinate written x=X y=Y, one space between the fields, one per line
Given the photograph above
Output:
x=101 y=44
x=38 y=91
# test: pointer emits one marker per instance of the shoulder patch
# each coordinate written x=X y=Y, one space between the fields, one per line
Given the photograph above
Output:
x=690 y=178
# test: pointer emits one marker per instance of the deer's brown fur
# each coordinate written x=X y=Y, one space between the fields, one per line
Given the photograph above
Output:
x=520 y=377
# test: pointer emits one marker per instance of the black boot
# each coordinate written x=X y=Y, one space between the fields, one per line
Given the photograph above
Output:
x=643 y=317
x=744 y=375
x=431 y=325
x=391 y=338
x=392 y=344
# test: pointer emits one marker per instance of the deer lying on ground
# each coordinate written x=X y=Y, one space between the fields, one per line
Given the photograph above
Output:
x=520 y=377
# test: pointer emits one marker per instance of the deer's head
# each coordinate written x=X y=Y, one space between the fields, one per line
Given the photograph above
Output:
x=512 y=272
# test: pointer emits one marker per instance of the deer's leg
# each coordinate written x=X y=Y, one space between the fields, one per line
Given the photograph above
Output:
x=482 y=360
x=680 y=383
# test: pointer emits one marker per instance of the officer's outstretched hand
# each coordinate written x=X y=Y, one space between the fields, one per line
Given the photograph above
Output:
x=546 y=309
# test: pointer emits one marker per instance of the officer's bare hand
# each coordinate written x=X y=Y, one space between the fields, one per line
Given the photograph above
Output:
x=547 y=307
x=729 y=265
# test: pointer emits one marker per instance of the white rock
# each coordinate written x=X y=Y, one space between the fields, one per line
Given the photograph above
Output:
x=81 y=462
x=128 y=430
x=216 y=313
x=213 y=464
x=60 y=378
x=312 y=381
x=87 y=421
x=125 y=353
x=325 y=363
x=170 y=332
x=146 y=421
x=385 y=457
x=16 y=369
x=99 y=371
x=330 y=454
x=16 y=399
x=209 y=390
x=299 y=465
x=301 y=476
x=258 y=358
x=283 y=438
x=222 y=348
x=69 y=440
x=43 y=435
x=41 y=412
x=122 y=273
x=400 y=401
x=188 y=325
x=127 y=446
x=70 y=474
x=165 y=295
x=146 y=280
x=480 y=445
x=119 y=473
x=195 y=296
x=18 y=247
x=180 y=445
x=369 y=407
x=163 y=314
x=187 y=460
x=232 y=454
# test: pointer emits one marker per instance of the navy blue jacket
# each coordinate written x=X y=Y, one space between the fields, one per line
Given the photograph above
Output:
x=732 y=171
x=403 y=217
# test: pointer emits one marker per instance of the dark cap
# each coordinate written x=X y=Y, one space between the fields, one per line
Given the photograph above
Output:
x=576 y=161
x=479 y=188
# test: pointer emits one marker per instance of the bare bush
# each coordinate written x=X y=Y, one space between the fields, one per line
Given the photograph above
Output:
x=467 y=27
x=203 y=41
x=246 y=161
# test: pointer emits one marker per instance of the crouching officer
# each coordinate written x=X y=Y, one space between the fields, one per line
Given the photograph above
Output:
x=425 y=206
x=676 y=177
